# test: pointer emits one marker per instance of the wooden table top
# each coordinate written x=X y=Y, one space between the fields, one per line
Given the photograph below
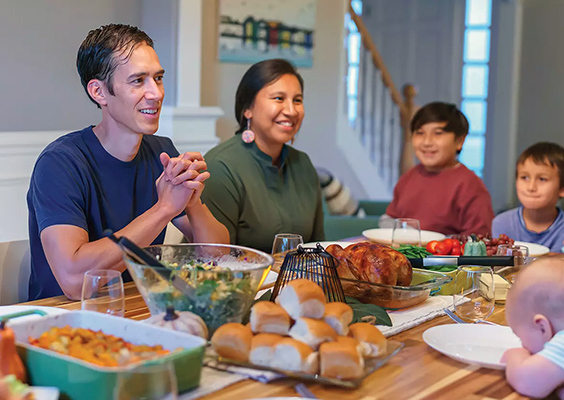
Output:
x=416 y=373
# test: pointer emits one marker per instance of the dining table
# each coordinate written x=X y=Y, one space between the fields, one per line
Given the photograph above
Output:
x=417 y=372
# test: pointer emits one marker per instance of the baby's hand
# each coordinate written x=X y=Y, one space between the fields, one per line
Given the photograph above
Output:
x=513 y=354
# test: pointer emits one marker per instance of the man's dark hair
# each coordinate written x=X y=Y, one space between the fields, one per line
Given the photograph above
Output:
x=104 y=49
x=545 y=153
x=257 y=77
x=438 y=111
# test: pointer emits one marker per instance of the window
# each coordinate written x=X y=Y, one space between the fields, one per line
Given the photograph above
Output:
x=353 y=56
x=475 y=73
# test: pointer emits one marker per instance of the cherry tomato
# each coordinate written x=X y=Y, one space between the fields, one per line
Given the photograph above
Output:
x=456 y=250
x=431 y=246
x=452 y=242
x=447 y=246
x=442 y=249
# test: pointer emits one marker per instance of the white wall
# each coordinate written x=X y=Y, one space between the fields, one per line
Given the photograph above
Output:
x=541 y=103
x=318 y=135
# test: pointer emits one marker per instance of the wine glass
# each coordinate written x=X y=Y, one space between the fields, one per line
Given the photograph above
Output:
x=102 y=291
x=406 y=231
x=521 y=258
x=474 y=292
x=284 y=242
x=147 y=382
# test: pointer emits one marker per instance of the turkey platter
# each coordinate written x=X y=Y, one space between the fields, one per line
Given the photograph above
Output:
x=372 y=263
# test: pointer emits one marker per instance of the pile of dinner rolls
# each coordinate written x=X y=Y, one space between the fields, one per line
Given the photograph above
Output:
x=302 y=333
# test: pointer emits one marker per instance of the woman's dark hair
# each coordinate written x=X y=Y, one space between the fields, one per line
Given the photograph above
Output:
x=104 y=49
x=438 y=111
x=257 y=77
x=545 y=153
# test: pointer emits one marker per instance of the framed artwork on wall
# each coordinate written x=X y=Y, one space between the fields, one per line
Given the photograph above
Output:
x=256 y=30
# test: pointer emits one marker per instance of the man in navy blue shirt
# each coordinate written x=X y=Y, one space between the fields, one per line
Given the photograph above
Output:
x=116 y=175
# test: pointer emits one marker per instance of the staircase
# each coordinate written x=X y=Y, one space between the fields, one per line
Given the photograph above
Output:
x=380 y=118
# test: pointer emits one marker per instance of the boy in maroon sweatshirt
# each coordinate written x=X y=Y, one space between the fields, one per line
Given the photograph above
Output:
x=441 y=192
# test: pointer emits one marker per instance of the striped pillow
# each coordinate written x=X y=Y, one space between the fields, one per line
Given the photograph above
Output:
x=337 y=196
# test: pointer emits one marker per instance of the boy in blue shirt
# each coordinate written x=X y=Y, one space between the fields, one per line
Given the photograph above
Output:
x=540 y=185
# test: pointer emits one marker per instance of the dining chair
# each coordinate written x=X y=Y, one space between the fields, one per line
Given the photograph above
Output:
x=15 y=267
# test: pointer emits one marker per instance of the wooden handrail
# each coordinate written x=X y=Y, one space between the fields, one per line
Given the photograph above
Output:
x=406 y=106
x=376 y=58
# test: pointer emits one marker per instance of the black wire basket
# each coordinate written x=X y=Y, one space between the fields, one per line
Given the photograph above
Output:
x=314 y=264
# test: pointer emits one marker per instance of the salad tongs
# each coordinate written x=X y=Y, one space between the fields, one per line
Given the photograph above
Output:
x=143 y=257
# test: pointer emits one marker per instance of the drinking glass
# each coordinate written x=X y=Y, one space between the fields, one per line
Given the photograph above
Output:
x=474 y=292
x=283 y=243
x=102 y=291
x=521 y=258
x=406 y=231
x=148 y=382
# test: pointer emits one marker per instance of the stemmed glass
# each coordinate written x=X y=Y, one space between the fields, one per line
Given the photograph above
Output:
x=406 y=231
x=474 y=292
x=102 y=291
x=147 y=382
x=521 y=258
x=284 y=242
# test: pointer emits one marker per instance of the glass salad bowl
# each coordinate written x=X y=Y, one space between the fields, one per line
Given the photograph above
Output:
x=217 y=282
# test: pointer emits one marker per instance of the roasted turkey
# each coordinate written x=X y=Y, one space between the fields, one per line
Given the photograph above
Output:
x=373 y=263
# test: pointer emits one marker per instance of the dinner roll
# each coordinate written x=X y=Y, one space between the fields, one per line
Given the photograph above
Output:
x=371 y=339
x=302 y=298
x=351 y=342
x=267 y=317
x=312 y=332
x=232 y=340
x=292 y=355
x=262 y=349
x=340 y=360
x=339 y=316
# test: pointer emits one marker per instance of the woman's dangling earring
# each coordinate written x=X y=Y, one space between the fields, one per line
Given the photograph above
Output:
x=248 y=135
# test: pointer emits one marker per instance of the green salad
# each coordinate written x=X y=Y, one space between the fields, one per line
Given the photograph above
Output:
x=221 y=295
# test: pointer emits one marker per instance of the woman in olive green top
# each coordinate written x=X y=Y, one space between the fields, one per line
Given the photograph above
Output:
x=259 y=186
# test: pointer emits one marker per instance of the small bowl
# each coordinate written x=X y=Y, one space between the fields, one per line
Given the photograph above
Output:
x=218 y=296
x=397 y=297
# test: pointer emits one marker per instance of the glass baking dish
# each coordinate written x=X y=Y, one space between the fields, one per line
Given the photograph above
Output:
x=423 y=284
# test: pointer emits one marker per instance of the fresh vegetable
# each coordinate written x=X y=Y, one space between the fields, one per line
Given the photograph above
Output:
x=411 y=251
x=431 y=246
x=10 y=361
x=17 y=387
x=441 y=268
x=183 y=321
x=446 y=247
x=220 y=293
x=475 y=247
x=491 y=243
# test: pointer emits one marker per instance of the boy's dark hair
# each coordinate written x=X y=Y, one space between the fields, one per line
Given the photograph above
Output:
x=441 y=112
x=545 y=153
x=258 y=76
x=104 y=49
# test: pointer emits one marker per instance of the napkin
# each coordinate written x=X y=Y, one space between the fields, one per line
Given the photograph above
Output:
x=212 y=381
x=403 y=320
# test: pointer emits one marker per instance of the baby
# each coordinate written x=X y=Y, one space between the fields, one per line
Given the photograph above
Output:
x=535 y=313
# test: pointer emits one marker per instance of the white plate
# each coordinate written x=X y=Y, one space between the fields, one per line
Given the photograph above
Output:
x=534 y=249
x=5 y=310
x=384 y=235
x=478 y=344
x=45 y=393
x=270 y=280
x=325 y=244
